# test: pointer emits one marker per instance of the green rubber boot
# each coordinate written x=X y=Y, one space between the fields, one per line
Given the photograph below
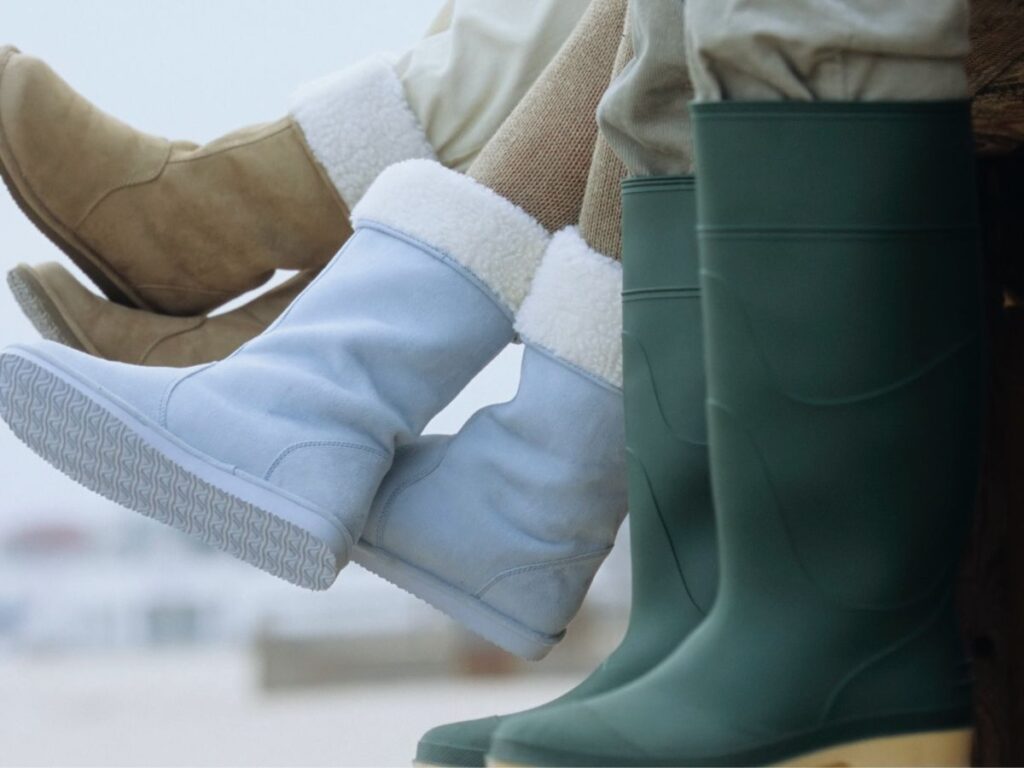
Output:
x=671 y=518
x=842 y=296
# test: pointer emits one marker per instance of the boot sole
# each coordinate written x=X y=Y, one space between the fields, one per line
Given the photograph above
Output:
x=931 y=748
x=935 y=748
x=43 y=310
x=121 y=456
x=471 y=612
x=102 y=274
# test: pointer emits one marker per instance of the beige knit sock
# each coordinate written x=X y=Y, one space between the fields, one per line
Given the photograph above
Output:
x=601 y=214
x=540 y=157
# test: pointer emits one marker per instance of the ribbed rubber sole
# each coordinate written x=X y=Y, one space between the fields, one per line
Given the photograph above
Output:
x=105 y=449
x=40 y=309
x=467 y=610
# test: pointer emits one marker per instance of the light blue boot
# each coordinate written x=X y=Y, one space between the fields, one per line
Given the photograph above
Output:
x=504 y=525
x=275 y=454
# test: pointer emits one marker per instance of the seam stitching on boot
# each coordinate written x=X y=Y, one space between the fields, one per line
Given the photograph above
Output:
x=385 y=514
x=284 y=454
x=126 y=184
x=520 y=569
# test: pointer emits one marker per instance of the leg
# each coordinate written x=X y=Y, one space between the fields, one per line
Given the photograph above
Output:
x=460 y=83
x=294 y=433
x=158 y=224
x=838 y=246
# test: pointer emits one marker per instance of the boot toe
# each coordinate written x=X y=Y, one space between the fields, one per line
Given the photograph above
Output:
x=464 y=744
x=30 y=97
x=99 y=423
x=59 y=153
x=573 y=734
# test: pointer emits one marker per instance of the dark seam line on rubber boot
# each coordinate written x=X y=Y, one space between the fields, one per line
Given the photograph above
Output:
x=832 y=233
x=661 y=407
x=924 y=370
x=927 y=623
x=701 y=609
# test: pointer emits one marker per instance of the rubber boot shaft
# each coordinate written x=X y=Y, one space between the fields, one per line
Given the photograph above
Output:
x=842 y=291
x=671 y=519
x=842 y=281
x=672 y=522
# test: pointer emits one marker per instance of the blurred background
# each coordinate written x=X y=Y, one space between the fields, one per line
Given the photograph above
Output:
x=121 y=641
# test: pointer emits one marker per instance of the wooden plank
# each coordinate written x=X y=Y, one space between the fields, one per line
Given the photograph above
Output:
x=998 y=112
x=997 y=40
x=995 y=73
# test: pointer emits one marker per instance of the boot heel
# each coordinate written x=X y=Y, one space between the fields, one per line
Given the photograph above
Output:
x=932 y=748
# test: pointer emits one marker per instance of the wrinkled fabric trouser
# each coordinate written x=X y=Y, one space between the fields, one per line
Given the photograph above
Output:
x=477 y=61
x=772 y=50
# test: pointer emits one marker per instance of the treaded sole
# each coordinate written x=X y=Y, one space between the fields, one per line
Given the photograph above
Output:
x=469 y=611
x=38 y=308
x=97 y=449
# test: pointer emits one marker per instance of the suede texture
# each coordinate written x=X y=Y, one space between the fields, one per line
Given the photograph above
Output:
x=519 y=508
x=124 y=334
x=315 y=405
x=319 y=401
x=671 y=518
x=168 y=226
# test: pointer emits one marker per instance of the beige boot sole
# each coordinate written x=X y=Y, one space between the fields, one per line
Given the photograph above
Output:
x=933 y=748
x=101 y=273
x=43 y=309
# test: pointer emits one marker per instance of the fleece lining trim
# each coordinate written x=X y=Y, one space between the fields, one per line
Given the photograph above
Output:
x=574 y=309
x=494 y=239
x=357 y=122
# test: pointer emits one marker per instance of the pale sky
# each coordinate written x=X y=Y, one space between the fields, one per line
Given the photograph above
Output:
x=187 y=69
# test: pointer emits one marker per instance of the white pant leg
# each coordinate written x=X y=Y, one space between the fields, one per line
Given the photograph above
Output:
x=463 y=81
x=835 y=50
x=644 y=114
x=443 y=20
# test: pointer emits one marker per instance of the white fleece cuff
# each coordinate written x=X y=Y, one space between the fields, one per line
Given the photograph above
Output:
x=574 y=309
x=494 y=239
x=357 y=122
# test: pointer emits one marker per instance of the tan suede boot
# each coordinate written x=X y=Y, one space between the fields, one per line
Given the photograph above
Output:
x=167 y=226
x=64 y=310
